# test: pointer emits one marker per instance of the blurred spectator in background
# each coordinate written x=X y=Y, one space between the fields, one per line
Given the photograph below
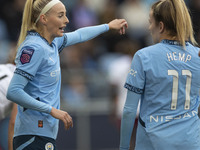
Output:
x=83 y=16
x=89 y=54
x=136 y=14
x=109 y=11
x=96 y=5
x=75 y=92
x=3 y=30
x=148 y=3
x=7 y=119
x=6 y=73
x=10 y=23
x=194 y=7
x=117 y=72
x=71 y=58
x=11 y=13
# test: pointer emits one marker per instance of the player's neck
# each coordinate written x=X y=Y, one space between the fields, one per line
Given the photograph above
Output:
x=45 y=34
x=167 y=37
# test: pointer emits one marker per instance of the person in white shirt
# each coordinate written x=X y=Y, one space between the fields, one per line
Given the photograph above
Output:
x=6 y=106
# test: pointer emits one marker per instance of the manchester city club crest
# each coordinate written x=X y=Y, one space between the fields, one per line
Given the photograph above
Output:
x=49 y=146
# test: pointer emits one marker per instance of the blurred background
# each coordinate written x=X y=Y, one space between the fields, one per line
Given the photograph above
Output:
x=93 y=73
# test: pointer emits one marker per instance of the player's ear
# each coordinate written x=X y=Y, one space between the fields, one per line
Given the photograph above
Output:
x=161 y=27
x=43 y=19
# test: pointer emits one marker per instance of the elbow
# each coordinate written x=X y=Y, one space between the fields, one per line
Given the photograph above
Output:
x=128 y=111
x=129 y=115
x=10 y=94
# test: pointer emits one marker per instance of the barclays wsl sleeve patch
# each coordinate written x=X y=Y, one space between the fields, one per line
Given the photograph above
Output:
x=26 y=56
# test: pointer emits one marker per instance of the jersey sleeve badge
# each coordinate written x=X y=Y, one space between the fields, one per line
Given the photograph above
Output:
x=26 y=56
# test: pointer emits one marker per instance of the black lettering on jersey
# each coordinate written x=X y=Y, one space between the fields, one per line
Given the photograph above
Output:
x=133 y=89
x=1 y=78
x=24 y=74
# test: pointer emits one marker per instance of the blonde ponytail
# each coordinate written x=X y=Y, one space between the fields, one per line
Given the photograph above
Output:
x=31 y=12
x=183 y=23
x=176 y=18
x=26 y=21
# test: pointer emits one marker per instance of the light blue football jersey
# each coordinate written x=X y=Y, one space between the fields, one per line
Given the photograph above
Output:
x=38 y=61
x=168 y=79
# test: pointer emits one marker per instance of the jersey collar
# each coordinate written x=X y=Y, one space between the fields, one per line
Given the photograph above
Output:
x=173 y=42
x=34 y=33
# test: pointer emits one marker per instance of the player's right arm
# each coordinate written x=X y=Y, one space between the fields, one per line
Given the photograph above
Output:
x=64 y=116
x=128 y=119
x=17 y=94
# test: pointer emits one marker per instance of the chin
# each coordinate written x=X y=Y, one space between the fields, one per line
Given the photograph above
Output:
x=59 y=35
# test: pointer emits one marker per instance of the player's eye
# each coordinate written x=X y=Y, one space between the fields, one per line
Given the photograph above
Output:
x=60 y=16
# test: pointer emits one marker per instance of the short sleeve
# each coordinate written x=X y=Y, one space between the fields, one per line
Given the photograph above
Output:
x=28 y=61
x=136 y=76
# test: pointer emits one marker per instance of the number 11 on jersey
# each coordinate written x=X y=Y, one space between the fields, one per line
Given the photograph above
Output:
x=175 y=75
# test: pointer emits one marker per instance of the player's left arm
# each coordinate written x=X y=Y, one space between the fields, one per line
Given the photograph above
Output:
x=128 y=119
x=88 y=33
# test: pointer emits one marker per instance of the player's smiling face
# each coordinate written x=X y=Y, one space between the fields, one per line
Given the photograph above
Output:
x=56 y=20
x=154 y=28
